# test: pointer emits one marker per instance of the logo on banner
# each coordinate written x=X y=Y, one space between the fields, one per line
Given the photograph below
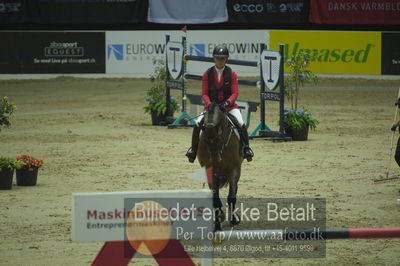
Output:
x=270 y=63
x=252 y=8
x=116 y=51
x=174 y=59
x=64 y=49
x=197 y=49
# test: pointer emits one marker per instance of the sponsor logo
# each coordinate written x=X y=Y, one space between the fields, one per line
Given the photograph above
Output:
x=197 y=49
x=9 y=7
x=61 y=49
x=295 y=7
x=333 y=52
x=115 y=50
x=252 y=8
x=235 y=49
x=364 y=6
x=238 y=48
x=144 y=49
x=332 y=55
x=134 y=51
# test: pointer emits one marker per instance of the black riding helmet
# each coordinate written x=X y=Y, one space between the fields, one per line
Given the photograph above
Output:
x=220 y=50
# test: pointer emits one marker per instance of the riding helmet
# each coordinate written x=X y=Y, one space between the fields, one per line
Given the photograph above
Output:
x=221 y=50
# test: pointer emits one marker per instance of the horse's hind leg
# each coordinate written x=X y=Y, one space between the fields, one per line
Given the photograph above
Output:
x=233 y=187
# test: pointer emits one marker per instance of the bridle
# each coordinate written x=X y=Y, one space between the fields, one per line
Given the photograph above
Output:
x=217 y=136
x=218 y=141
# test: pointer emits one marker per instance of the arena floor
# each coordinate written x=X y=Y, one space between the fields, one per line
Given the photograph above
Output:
x=94 y=136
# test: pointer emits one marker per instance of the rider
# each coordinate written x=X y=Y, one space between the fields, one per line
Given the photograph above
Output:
x=393 y=128
x=220 y=84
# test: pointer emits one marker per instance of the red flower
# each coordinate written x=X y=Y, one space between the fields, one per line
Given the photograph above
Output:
x=30 y=162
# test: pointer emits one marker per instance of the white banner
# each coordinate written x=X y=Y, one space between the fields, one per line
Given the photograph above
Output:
x=132 y=52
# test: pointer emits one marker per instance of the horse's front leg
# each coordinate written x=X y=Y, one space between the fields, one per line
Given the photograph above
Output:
x=233 y=187
x=217 y=204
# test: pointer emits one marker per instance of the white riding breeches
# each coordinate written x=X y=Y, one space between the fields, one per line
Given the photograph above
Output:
x=235 y=112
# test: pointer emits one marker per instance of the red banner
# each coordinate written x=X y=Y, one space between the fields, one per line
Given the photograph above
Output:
x=355 y=12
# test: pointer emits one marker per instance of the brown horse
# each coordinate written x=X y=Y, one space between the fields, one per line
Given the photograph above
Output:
x=219 y=148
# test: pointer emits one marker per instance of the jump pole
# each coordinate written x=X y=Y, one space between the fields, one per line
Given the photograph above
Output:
x=348 y=233
x=328 y=234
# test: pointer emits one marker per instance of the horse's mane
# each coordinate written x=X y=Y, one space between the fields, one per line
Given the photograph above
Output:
x=212 y=106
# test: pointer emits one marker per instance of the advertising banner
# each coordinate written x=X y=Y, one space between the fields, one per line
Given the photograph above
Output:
x=390 y=53
x=53 y=52
x=63 y=52
x=89 y=12
x=355 y=12
x=138 y=215
x=333 y=52
x=133 y=51
x=271 y=11
x=13 y=11
x=9 y=57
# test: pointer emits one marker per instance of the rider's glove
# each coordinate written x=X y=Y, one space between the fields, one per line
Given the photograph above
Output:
x=226 y=104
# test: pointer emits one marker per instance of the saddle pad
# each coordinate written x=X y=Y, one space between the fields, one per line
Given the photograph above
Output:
x=234 y=128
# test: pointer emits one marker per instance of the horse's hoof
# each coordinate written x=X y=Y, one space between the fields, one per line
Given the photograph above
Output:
x=217 y=241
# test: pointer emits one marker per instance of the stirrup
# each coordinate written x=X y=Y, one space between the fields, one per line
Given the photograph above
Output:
x=191 y=154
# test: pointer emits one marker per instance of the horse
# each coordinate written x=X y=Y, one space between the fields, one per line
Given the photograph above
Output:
x=219 y=148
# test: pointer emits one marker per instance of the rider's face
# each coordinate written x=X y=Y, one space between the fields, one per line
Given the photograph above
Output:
x=220 y=61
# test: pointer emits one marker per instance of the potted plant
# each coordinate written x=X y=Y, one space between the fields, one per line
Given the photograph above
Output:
x=156 y=95
x=7 y=166
x=6 y=110
x=27 y=173
x=298 y=121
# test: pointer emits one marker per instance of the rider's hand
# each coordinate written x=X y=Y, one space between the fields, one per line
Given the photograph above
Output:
x=393 y=128
x=226 y=104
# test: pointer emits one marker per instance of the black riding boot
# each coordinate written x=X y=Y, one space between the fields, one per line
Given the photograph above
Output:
x=192 y=152
x=244 y=136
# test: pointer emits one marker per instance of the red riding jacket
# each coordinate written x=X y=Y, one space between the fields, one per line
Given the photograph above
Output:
x=206 y=91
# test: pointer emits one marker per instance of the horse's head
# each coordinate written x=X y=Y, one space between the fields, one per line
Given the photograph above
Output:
x=214 y=120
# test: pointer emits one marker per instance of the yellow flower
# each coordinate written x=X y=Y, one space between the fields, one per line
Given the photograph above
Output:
x=5 y=98
x=14 y=107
